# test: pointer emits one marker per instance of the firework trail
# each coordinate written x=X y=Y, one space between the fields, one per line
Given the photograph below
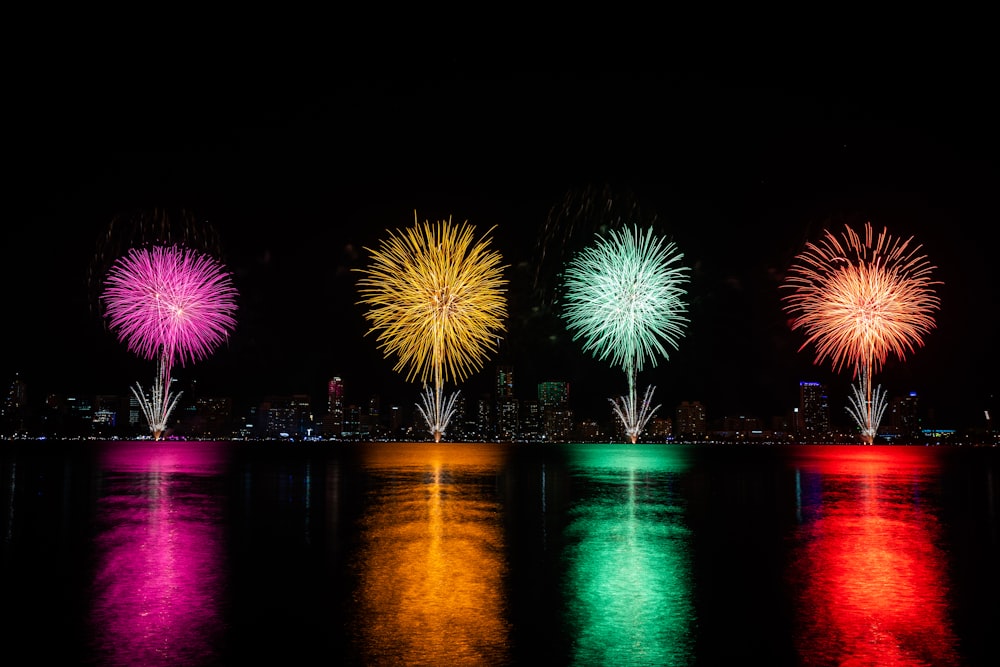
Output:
x=624 y=298
x=436 y=299
x=171 y=304
x=571 y=224
x=860 y=300
x=145 y=228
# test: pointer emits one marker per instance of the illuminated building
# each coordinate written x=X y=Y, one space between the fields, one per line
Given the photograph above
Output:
x=507 y=406
x=395 y=421
x=505 y=382
x=903 y=418
x=690 y=422
x=212 y=417
x=352 y=423
x=14 y=405
x=484 y=418
x=104 y=417
x=333 y=421
x=285 y=416
x=507 y=420
x=532 y=421
x=813 y=421
x=660 y=428
x=556 y=414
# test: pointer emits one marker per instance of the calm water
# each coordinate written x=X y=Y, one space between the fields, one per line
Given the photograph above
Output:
x=146 y=553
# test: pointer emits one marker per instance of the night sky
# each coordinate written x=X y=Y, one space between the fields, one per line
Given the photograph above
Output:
x=738 y=166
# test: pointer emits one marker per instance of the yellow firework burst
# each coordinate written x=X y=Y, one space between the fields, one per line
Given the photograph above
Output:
x=437 y=299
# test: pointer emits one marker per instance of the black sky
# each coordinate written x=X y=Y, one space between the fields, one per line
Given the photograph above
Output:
x=739 y=165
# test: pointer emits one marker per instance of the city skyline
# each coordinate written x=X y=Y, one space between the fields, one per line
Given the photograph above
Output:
x=513 y=412
x=299 y=186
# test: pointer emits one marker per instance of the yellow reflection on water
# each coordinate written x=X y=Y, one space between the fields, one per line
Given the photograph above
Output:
x=431 y=576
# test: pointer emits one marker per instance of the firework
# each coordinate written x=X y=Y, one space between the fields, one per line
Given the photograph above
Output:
x=171 y=304
x=860 y=300
x=436 y=299
x=624 y=298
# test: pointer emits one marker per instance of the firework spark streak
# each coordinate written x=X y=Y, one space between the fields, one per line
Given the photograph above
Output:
x=635 y=417
x=860 y=300
x=866 y=415
x=436 y=299
x=437 y=410
x=624 y=298
x=158 y=405
x=171 y=304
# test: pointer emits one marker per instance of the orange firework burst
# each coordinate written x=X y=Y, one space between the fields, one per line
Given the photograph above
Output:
x=858 y=300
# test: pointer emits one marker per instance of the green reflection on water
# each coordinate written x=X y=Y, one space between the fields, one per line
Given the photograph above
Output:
x=628 y=581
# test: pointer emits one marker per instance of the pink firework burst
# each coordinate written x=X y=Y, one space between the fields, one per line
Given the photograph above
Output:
x=170 y=302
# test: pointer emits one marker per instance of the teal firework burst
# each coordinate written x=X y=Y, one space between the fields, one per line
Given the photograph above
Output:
x=624 y=298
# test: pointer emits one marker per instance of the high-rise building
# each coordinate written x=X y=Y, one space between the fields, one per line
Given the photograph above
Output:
x=14 y=407
x=588 y=430
x=553 y=393
x=904 y=420
x=333 y=420
x=507 y=427
x=505 y=382
x=532 y=422
x=484 y=418
x=352 y=423
x=396 y=421
x=135 y=416
x=661 y=428
x=370 y=422
x=80 y=411
x=213 y=416
x=104 y=417
x=17 y=397
x=813 y=421
x=557 y=418
x=285 y=416
x=690 y=422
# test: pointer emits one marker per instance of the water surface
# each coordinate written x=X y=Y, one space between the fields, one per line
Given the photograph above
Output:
x=185 y=553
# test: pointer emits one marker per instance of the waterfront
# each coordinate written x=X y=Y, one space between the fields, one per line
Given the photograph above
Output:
x=188 y=553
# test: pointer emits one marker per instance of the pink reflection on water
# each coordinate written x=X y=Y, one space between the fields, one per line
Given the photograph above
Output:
x=872 y=582
x=159 y=550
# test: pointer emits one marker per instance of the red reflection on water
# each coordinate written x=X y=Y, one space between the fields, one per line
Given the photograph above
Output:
x=872 y=582
x=157 y=577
